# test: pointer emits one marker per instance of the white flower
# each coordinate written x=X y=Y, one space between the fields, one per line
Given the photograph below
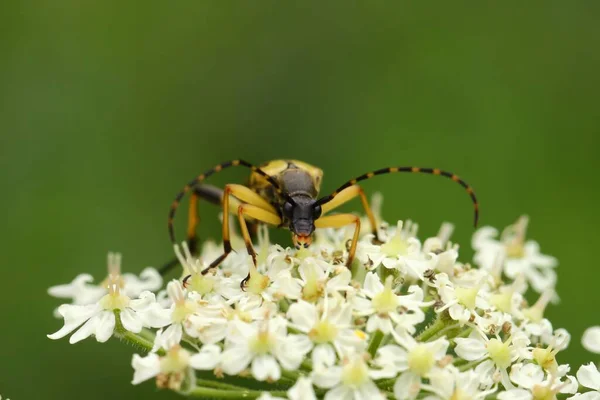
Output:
x=170 y=370
x=99 y=319
x=414 y=360
x=589 y=377
x=401 y=251
x=450 y=384
x=266 y=345
x=462 y=302
x=329 y=326
x=349 y=381
x=520 y=257
x=208 y=358
x=175 y=319
x=533 y=383
x=318 y=277
x=496 y=355
x=385 y=308
x=302 y=390
x=82 y=292
x=591 y=339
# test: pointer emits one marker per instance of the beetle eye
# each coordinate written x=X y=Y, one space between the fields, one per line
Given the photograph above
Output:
x=287 y=209
x=317 y=211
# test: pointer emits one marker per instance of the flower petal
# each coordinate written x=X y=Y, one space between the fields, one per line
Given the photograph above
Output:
x=105 y=326
x=130 y=320
x=145 y=367
x=591 y=339
x=589 y=376
x=265 y=367
x=74 y=316
x=208 y=358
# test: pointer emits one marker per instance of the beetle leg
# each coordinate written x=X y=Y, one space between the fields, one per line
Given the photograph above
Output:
x=348 y=194
x=338 y=221
x=258 y=214
x=249 y=197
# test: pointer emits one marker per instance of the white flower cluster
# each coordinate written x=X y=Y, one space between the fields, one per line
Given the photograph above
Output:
x=408 y=321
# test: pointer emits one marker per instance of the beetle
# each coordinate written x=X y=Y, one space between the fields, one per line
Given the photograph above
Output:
x=284 y=194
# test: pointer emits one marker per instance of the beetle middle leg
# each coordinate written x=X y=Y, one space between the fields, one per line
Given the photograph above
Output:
x=211 y=194
x=345 y=196
x=249 y=198
x=338 y=221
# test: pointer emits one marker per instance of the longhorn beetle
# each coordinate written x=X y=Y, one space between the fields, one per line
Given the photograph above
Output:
x=283 y=193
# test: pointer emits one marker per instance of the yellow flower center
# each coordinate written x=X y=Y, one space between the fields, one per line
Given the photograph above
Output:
x=460 y=395
x=535 y=313
x=182 y=310
x=355 y=373
x=396 y=246
x=514 y=244
x=323 y=332
x=115 y=301
x=499 y=352
x=420 y=359
x=503 y=300
x=313 y=289
x=257 y=282
x=176 y=360
x=202 y=284
x=262 y=343
x=385 y=301
x=543 y=393
x=467 y=296
x=545 y=358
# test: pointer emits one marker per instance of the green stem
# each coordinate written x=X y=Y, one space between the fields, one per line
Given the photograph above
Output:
x=469 y=365
x=431 y=330
x=144 y=343
x=386 y=383
x=445 y=330
x=218 y=385
x=375 y=342
x=212 y=393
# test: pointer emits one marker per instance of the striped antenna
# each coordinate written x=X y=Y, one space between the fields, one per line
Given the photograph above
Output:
x=204 y=176
x=432 y=171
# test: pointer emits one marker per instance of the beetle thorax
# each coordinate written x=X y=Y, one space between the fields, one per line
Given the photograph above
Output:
x=298 y=182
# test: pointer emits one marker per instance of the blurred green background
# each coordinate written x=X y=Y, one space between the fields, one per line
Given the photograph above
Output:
x=108 y=108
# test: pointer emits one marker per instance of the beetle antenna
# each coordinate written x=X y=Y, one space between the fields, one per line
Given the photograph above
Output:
x=432 y=171
x=204 y=176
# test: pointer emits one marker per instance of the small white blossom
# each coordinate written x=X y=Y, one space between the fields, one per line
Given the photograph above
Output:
x=588 y=377
x=266 y=345
x=99 y=319
x=170 y=370
x=349 y=381
x=385 y=308
x=82 y=292
x=520 y=257
x=591 y=339
x=412 y=360
x=329 y=326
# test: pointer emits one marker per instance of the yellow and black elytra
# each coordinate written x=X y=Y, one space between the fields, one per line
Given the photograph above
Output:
x=284 y=193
